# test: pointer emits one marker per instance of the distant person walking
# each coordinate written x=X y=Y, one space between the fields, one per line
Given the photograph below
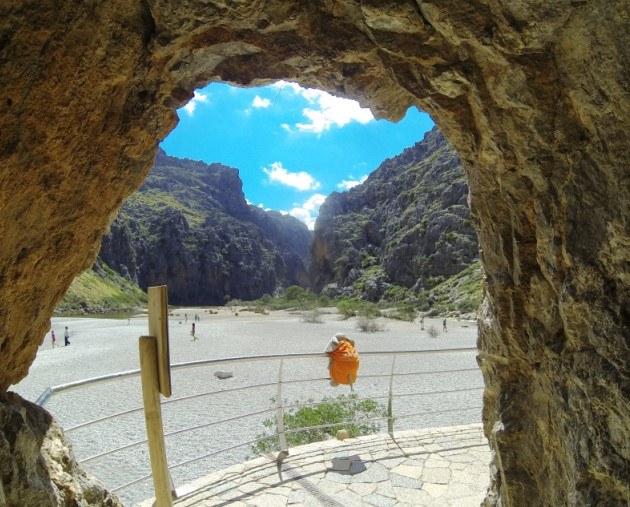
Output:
x=422 y=323
x=194 y=336
x=53 y=338
x=66 y=337
x=444 y=325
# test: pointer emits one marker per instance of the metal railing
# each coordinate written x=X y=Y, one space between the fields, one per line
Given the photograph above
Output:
x=278 y=411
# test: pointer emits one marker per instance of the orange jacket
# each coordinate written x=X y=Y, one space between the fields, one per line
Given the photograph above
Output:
x=345 y=363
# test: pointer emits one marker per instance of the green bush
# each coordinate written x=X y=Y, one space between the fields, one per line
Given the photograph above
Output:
x=294 y=293
x=404 y=312
x=330 y=410
x=351 y=307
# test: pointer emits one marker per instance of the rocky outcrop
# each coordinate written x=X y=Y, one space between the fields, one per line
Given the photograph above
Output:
x=533 y=95
x=189 y=227
x=37 y=465
x=408 y=224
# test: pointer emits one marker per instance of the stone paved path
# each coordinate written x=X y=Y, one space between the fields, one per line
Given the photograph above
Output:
x=446 y=467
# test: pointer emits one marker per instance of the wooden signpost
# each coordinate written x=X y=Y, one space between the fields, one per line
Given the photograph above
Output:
x=158 y=327
x=156 y=378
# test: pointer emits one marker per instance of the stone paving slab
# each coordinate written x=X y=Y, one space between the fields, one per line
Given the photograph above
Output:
x=444 y=467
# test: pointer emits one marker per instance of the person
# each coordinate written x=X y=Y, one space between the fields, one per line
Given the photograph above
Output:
x=444 y=325
x=343 y=363
x=194 y=336
x=66 y=337
x=422 y=323
x=186 y=317
x=53 y=338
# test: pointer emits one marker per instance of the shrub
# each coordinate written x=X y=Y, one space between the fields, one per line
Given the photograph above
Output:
x=330 y=410
x=406 y=313
x=369 y=324
x=432 y=332
x=294 y=293
x=353 y=307
x=312 y=316
x=324 y=300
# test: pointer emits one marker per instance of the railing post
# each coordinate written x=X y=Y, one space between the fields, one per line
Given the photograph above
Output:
x=282 y=438
x=390 y=411
x=153 y=419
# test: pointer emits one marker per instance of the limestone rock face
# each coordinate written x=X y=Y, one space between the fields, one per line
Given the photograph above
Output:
x=407 y=224
x=37 y=466
x=532 y=94
x=212 y=244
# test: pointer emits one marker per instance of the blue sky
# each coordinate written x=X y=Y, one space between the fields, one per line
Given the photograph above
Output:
x=292 y=146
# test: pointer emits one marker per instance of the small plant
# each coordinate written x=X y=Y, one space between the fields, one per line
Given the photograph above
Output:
x=369 y=324
x=433 y=332
x=352 y=307
x=312 y=316
x=405 y=313
x=330 y=410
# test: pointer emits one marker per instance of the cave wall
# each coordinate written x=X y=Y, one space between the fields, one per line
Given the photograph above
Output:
x=533 y=94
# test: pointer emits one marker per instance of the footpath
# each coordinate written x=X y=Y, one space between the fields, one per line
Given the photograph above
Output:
x=446 y=467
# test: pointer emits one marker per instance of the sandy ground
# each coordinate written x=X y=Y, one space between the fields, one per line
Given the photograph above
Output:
x=103 y=346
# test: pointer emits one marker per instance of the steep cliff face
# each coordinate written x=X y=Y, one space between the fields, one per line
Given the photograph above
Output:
x=532 y=94
x=189 y=227
x=408 y=224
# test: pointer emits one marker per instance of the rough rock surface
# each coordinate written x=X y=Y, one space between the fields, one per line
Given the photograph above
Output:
x=189 y=227
x=408 y=223
x=533 y=95
x=37 y=465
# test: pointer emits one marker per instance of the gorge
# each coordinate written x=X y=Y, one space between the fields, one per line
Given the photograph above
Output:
x=533 y=95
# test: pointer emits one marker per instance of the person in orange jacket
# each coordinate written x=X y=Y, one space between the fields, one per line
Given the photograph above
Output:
x=344 y=360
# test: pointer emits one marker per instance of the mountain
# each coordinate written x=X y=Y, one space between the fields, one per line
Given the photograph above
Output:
x=101 y=290
x=190 y=227
x=403 y=231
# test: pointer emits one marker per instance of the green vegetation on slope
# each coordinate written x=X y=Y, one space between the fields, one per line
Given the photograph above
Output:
x=460 y=293
x=101 y=290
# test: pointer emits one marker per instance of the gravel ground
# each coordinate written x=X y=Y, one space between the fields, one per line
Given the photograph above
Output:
x=103 y=346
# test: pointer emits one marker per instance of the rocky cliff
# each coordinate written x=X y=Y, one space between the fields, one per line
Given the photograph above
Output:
x=533 y=95
x=408 y=225
x=190 y=227
x=37 y=463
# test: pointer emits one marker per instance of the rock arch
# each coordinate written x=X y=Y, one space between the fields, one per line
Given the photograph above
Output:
x=533 y=94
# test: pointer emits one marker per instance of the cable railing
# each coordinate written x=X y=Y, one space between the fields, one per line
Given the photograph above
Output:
x=381 y=386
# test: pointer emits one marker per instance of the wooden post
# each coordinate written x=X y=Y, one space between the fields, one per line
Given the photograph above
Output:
x=158 y=327
x=153 y=419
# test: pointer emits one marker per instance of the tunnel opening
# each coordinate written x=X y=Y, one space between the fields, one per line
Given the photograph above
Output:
x=533 y=100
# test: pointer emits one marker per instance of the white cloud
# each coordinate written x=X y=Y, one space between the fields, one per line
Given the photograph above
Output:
x=198 y=98
x=308 y=212
x=300 y=180
x=260 y=103
x=286 y=84
x=327 y=110
x=348 y=184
